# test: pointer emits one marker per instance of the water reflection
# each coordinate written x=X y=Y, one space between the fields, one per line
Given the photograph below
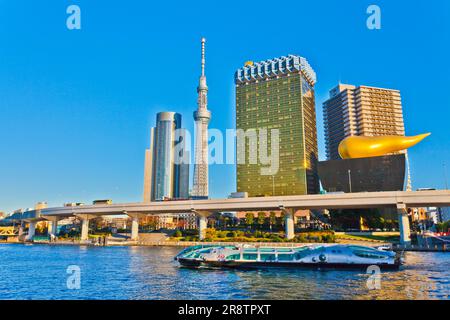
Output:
x=39 y=272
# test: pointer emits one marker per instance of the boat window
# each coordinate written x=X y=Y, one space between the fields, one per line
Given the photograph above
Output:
x=301 y=254
x=249 y=256
x=194 y=254
x=285 y=257
x=233 y=257
x=284 y=250
x=302 y=248
x=362 y=248
x=367 y=254
x=189 y=254
x=268 y=257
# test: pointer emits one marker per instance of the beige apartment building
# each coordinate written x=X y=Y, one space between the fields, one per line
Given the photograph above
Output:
x=360 y=111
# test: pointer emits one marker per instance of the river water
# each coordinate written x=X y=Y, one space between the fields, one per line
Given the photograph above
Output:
x=41 y=272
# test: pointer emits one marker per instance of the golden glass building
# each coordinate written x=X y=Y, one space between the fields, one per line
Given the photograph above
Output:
x=361 y=111
x=279 y=94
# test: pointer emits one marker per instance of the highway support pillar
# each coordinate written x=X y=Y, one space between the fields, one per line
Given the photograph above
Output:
x=52 y=226
x=84 y=229
x=202 y=222
x=403 y=224
x=289 y=222
x=85 y=225
x=202 y=225
x=31 y=230
x=134 y=226
x=20 y=228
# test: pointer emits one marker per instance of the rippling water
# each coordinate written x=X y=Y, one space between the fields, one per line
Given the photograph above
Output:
x=39 y=272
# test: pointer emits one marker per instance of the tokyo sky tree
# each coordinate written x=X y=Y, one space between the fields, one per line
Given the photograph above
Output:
x=201 y=117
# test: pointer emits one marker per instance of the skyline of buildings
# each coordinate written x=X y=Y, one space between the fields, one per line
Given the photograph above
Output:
x=274 y=94
x=120 y=86
x=360 y=111
x=279 y=94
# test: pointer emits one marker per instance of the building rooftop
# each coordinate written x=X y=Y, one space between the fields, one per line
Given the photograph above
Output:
x=342 y=87
x=271 y=68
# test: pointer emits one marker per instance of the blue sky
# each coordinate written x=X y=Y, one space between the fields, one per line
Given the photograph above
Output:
x=76 y=106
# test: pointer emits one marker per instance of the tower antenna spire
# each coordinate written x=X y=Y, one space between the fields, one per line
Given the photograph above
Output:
x=203 y=56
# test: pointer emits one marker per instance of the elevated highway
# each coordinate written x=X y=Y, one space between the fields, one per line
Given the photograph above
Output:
x=289 y=204
x=322 y=201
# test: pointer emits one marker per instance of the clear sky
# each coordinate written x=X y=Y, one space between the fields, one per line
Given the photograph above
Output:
x=76 y=105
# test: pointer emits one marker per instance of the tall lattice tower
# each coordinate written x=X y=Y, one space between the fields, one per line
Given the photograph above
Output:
x=202 y=117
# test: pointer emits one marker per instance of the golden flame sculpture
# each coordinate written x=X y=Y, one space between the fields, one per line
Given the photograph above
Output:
x=366 y=147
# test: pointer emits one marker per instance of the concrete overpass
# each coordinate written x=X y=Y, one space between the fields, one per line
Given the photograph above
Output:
x=289 y=204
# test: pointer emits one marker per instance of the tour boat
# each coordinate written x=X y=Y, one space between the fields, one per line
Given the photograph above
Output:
x=307 y=256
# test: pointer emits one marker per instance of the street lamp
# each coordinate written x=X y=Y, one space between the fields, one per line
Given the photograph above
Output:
x=273 y=185
x=350 y=180
x=445 y=176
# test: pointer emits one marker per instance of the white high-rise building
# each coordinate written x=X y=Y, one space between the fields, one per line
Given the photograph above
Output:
x=202 y=117
x=165 y=175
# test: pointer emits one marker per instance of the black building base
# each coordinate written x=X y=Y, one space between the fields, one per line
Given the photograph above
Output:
x=386 y=173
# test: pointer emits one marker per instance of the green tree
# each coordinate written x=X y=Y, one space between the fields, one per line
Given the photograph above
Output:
x=212 y=222
x=443 y=226
x=41 y=228
x=222 y=234
x=210 y=234
x=96 y=223
x=282 y=218
x=272 y=219
x=177 y=234
x=390 y=224
x=261 y=218
x=382 y=223
x=249 y=218
x=222 y=221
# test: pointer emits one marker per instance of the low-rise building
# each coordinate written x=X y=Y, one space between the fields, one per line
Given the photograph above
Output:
x=100 y=202
x=40 y=205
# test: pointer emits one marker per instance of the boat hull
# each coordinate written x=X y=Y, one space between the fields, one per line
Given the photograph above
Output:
x=299 y=265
